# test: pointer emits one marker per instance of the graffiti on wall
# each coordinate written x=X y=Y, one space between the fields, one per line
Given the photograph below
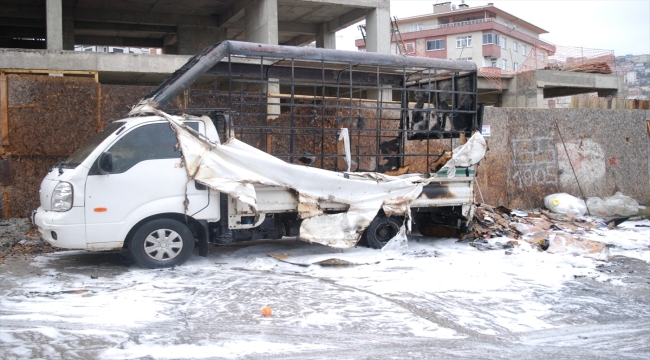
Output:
x=588 y=161
x=541 y=161
x=535 y=162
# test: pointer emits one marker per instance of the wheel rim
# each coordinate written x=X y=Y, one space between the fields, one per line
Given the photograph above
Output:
x=163 y=244
x=386 y=231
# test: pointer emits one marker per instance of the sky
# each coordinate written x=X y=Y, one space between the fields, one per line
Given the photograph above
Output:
x=621 y=25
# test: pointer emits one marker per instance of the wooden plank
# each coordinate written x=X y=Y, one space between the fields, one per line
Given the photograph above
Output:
x=4 y=112
x=100 y=124
x=93 y=74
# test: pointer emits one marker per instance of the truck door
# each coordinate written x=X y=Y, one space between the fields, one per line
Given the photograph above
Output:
x=146 y=179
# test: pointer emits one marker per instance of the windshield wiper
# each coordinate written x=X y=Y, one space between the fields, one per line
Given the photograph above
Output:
x=59 y=165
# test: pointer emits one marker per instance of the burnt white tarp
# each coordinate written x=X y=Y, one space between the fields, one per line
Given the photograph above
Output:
x=235 y=167
x=466 y=155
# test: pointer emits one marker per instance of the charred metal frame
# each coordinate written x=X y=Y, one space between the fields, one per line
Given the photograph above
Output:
x=298 y=98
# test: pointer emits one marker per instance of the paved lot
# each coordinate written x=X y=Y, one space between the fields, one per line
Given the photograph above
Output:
x=438 y=298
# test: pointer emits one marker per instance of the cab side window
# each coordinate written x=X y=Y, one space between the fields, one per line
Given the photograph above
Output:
x=148 y=142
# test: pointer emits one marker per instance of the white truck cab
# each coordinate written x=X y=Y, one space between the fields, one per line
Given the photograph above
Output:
x=90 y=205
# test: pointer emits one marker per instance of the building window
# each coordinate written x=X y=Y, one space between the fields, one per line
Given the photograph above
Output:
x=504 y=65
x=417 y=26
x=490 y=39
x=494 y=63
x=504 y=43
x=410 y=48
x=435 y=44
x=515 y=66
x=463 y=42
x=514 y=46
x=523 y=50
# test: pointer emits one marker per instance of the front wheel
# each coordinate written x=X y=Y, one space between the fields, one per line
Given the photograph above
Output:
x=162 y=243
x=381 y=230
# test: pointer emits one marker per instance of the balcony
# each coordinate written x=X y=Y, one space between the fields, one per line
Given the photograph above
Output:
x=481 y=24
x=492 y=50
x=462 y=23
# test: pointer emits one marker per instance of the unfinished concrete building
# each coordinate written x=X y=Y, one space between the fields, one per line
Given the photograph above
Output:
x=46 y=31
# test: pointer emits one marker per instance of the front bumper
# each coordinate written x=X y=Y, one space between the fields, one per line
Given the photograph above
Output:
x=65 y=230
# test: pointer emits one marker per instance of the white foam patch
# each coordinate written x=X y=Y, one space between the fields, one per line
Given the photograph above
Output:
x=434 y=288
x=231 y=349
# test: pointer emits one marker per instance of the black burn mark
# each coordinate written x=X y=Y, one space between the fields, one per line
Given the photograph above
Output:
x=437 y=191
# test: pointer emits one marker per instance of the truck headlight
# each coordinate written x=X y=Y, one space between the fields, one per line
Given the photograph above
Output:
x=62 y=197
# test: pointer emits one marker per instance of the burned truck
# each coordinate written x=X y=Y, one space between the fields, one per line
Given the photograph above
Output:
x=251 y=141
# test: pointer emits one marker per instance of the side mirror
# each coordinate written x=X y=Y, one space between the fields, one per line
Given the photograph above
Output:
x=105 y=163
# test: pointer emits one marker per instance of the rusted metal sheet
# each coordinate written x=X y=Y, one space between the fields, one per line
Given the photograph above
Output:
x=28 y=172
x=50 y=116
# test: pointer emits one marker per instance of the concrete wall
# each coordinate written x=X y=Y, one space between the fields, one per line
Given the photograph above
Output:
x=527 y=160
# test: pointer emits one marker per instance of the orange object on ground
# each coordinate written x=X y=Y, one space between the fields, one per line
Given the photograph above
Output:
x=266 y=311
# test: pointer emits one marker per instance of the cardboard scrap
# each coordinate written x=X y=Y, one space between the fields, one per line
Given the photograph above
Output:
x=554 y=233
x=563 y=243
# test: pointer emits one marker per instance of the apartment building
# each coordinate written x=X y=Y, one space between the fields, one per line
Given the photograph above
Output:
x=486 y=35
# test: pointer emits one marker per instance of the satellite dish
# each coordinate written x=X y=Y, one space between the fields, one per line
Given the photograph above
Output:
x=453 y=7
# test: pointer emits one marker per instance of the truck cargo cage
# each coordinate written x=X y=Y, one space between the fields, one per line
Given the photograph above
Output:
x=293 y=103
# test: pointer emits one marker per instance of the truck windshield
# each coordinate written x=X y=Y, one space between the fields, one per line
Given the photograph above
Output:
x=80 y=155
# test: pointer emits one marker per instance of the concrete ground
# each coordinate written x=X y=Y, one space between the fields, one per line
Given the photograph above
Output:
x=438 y=298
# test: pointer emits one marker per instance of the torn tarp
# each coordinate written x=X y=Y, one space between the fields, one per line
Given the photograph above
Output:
x=235 y=167
x=468 y=154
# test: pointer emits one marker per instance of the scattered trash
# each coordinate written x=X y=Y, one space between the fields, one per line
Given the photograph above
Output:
x=519 y=213
x=94 y=277
x=486 y=245
x=548 y=231
x=563 y=203
x=525 y=229
x=334 y=262
x=618 y=204
x=327 y=258
x=563 y=243
x=266 y=311
x=617 y=221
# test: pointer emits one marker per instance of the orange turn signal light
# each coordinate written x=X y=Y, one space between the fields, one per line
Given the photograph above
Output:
x=100 y=209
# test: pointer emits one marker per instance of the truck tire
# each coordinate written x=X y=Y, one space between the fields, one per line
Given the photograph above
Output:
x=161 y=243
x=381 y=230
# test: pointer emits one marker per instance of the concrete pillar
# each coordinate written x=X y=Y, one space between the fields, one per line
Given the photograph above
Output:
x=378 y=30
x=262 y=22
x=54 y=19
x=325 y=39
x=378 y=40
x=169 y=44
x=192 y=39
x=262 y=27
x=620 y=81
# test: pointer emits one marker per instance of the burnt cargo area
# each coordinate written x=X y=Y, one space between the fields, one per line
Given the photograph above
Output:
x=400 y=116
